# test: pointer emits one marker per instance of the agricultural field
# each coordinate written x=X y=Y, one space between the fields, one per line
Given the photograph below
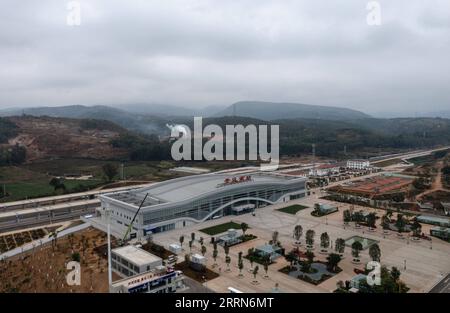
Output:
x=32 y=180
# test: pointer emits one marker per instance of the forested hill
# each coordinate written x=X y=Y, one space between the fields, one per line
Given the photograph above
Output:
x=273 y=111
x=7 y=130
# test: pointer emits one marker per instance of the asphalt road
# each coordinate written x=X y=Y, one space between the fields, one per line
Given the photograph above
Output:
x=443 y=286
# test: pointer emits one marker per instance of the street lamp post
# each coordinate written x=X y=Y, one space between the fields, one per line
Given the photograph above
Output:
x=108 y=214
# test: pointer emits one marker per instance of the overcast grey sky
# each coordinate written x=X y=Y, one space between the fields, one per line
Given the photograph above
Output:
x=199 y=53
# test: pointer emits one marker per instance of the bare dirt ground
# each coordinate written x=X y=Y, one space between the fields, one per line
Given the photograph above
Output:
x=44 y=269
x=437 y=184
x=46 y=137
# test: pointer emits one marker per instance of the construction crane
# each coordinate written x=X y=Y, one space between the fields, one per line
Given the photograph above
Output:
x=132 y=221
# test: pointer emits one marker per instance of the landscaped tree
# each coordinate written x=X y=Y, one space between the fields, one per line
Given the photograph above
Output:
x=226 y=249
x=309 y=237
x=181 y=240
x=215 y=253
x=395 y=274
x=333 y=261
x=416 y=228
x=241 y=266
x=291 y=257
x=193 y=236
x=187 y=259
x=400 y=223
x=201 y=241
x=228 y=261
x=385 y=221
x=340 y=245
x=255 y=271
x=298 y=232
x=244 y=227
x=356 y=249
x=190 y=245
x=316 y=210
x=324 y=240
x=110 y=170
x=310 y=256
x=347 y=215
x=371 y=220
x=203 y=250
x=375 y=252
x=266 y=265
x=275 y=238
x=239 y=256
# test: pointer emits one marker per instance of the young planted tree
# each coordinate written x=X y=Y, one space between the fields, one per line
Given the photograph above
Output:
x=244 y=227
x=187 y=259
x=400 y=223
x=181 y=240
x=215 y=253
x=228 y=261
x=333 y=260
x=347 y=216
x=226 y=249
x=309 y=237
x=340 y=245
x=356 y=249
x=416 y=228
x=239 y=256
x=193 y=236
x=203 y=250
x=275 y=235
x=371 y=220
x=255 y=271
x=266 y=265
x=291 y=257
x=375 y=252
x=324 y=241
x=310 y=256
x=385 y=222
x=241 y=266
x=298 y=232
x=190 y=245
x=201 y=241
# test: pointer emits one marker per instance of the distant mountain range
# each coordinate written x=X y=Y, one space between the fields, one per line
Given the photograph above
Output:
x=275 y=111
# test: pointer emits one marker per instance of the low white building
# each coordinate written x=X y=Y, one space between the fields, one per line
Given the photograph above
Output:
x=155 y=281
x=130 y=260
x=358 y=164
x=325 y=170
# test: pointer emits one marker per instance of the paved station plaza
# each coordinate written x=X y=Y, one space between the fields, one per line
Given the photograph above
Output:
x=426 y=262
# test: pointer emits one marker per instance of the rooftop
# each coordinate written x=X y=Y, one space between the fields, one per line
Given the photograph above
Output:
x=136 y=255
x=185 y=188
x=434 y=219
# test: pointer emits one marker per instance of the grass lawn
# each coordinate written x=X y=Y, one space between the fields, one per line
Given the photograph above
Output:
x=293 y=209
x=214 y=230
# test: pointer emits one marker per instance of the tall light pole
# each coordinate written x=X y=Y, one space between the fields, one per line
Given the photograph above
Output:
x=108 y=214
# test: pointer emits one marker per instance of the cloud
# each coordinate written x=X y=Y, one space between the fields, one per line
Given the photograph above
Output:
x=199 y=52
